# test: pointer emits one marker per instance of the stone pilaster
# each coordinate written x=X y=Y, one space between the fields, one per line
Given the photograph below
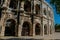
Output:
x=19 y=30
x=33 y=29
x=2 y=32
x=20 y=26
x=42 y=24
x=43 y=29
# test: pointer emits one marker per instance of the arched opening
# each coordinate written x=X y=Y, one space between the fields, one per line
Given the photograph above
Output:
x=26 y=29
x=45 y=11
x=37 y=9
x=37 y=29
x=13 y=4
x=10 y=27
x=27 y=6
x=45 y=29
x=2 y=2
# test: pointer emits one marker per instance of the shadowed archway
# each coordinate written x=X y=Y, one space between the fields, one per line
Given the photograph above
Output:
x=37 y=29
x=27 y=6
x=26 y=29
x=45 y=29
x=10 y=27
x=37 y=9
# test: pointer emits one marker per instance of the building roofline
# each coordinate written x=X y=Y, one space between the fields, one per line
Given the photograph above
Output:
x=48 y=5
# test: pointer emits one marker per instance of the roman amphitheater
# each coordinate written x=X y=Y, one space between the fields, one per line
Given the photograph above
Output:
x=26 y=18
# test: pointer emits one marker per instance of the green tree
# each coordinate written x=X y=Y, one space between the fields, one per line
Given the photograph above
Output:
x=57 y=27
x=56 y=3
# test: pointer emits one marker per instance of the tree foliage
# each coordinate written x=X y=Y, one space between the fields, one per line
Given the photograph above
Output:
x=57 y=5
x=57 y=26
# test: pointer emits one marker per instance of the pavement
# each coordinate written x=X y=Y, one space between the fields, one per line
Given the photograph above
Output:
x=56 y=36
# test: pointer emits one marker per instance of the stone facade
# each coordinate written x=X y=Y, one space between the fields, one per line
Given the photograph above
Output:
x=26 y=18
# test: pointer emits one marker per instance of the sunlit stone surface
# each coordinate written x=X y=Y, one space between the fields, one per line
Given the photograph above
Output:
x=28 y=18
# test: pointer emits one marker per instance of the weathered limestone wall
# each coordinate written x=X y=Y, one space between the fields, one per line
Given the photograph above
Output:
x=40 y=18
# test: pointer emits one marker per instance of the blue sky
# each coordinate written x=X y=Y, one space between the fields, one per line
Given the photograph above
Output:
x=56 y=16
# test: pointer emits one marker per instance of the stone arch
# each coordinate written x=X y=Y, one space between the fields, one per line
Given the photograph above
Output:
x=37 y=8
x=10 y=27
x=37 y=29
x=2 y=2
x=26 y=29
x=44 y=11
x=45 y=29
x=13 y=4
x=27 y=6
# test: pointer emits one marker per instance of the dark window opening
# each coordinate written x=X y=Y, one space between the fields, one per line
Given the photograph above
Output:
x=37 y=9
x=37 y=29
x=1 y=2
x=26 y=29
x=0 y=13
x=10 y=28
x=27 y=6
x=44 y=11
x=45 y=29
x=13 y=4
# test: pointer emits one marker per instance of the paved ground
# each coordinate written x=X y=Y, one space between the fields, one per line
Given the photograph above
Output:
x=56 y=35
